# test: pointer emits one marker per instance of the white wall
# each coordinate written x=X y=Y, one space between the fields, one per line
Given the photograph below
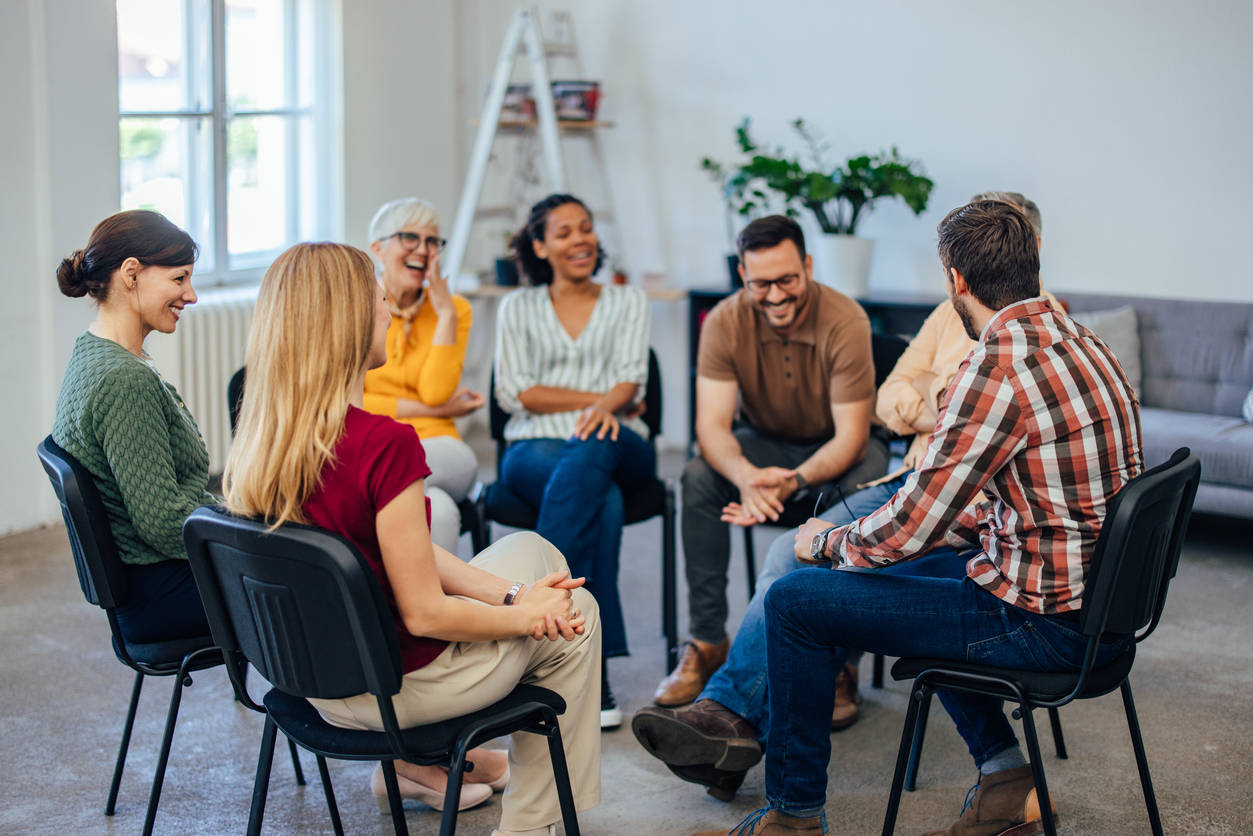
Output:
x=401 y=123
x=58 y=167
x=1128 y=122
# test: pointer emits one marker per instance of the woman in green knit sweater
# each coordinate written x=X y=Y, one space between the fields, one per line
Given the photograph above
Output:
x=127 y=426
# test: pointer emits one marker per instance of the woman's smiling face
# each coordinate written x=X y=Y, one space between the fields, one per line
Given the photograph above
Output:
x=405 y=265
x=570 y=244
x=162 y=294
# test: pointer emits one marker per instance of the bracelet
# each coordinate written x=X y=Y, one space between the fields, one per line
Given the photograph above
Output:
x=512 y=594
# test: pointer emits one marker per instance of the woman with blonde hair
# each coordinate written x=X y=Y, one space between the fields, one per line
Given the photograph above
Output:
x=419 y=385
x=307 y=452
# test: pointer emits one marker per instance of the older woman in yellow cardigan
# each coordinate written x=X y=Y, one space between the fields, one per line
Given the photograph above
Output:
x=420 y=385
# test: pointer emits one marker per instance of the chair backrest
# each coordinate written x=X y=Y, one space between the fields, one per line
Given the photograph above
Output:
x=299 y=603
x=651 y=417
x=100 y=572
x=235 y=396
x=1137 y=551
x=886 y=350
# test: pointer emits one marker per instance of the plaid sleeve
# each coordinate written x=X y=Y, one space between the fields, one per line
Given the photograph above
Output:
x=981 y=426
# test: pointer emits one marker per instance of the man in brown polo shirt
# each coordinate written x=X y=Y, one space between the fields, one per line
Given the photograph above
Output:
x=784 y=396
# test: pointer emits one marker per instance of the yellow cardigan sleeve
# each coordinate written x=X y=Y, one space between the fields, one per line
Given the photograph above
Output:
x=898 y=404
x=441 y=373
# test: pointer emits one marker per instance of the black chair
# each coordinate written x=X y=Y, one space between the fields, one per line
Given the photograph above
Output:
x=1136 y=557
x=103 y=581
x=499 y=504
x=305 y=609
x=468 y=507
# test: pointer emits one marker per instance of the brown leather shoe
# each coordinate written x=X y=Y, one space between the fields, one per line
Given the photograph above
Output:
x=1001 y=804
x=847 y=699
x=706 y=733
x=719 y=783
x=698 y=661
x=767 y=822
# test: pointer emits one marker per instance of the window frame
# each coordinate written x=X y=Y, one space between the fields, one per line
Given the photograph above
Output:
x=324 y=114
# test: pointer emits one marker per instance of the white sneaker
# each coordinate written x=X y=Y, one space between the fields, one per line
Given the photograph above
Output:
x=610 y=714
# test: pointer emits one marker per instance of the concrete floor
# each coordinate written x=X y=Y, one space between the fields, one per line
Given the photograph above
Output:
x=63 y=697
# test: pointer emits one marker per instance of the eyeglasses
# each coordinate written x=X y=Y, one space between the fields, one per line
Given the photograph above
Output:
x=411 y=241
x=786 y=283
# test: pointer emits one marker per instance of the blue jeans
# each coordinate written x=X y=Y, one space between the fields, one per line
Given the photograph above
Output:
x=578 y=486
x=740 y=684
x=814 y=617
x=162 y=603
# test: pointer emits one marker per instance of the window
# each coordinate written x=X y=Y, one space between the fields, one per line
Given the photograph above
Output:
x=225 y=121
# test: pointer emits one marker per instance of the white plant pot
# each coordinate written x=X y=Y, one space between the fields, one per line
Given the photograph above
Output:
x=843 y=262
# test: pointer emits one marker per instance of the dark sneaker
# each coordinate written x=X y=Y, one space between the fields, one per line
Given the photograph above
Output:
x=706 y=733
x=610 y=714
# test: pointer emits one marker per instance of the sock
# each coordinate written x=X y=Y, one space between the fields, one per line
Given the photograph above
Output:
x=1011 y=758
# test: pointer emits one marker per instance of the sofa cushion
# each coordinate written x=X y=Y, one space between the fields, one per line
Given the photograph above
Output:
x=1194 y=356
x=1223 y=444
x=1247 y=409
x=1119 y=329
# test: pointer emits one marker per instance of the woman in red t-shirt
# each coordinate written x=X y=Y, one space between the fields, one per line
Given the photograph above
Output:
x=307 y=452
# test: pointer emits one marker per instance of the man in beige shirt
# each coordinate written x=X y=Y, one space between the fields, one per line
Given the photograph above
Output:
x=784 y=396
x=733 y=703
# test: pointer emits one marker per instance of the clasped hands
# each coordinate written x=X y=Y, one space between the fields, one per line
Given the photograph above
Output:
x=763 y=490
x=549 y=606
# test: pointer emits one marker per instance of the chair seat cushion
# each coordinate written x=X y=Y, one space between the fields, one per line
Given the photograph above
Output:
x=1040 y=686
x=432 y=743
x=170 y=654
x=507 y=508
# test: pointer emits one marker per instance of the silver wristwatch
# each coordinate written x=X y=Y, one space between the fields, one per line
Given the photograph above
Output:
x=818 y=549
x=513 y=592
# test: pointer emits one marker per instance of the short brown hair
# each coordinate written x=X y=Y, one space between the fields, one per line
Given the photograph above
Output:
x=770 y=231
x=993 y=245
x=1028 y=207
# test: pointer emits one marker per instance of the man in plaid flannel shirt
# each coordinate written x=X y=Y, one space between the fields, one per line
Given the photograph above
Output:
x=1040 y=417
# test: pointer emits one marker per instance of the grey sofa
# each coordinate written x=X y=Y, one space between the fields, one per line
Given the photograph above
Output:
x=1197 y=368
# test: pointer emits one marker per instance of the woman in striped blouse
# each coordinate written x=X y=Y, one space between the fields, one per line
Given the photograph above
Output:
x=571 y=364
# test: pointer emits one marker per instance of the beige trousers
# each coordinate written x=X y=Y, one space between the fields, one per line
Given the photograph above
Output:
x=468 y=676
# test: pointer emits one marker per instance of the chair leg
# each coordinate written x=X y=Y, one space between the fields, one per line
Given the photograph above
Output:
x=915 y=750
x=669 y=572
x=877 y=680
x=1059 y=741
x=397 y=808
x=261 y=784
x=181 y=680
x=561 y=774
x=1137 y=743
x=295 y=763
x=1037 y=769
x=485 y=525
x=902 y=761
x=329 y=791
x=750 y=562
x=126 y=742
x=456 y=772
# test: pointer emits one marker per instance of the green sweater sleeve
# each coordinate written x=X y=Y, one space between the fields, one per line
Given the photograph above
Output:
x=129 y=417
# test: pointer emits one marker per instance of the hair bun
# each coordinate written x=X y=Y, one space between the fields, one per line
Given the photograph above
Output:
x=72 y=275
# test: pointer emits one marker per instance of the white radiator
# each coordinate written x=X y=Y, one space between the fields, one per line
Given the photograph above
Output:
x=200 y=357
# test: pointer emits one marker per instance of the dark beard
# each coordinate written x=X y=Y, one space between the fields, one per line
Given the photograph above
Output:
x=963 y=313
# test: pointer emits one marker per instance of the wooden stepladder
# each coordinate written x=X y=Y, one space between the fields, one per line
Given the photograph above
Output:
x=523 y=31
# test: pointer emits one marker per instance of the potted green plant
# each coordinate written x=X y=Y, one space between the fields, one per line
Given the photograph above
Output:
x=839 y=197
